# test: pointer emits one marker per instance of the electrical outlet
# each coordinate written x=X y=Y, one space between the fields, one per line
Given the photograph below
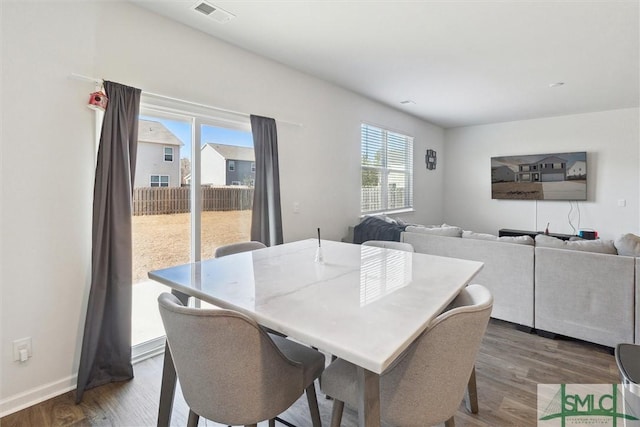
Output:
x=21 y=344
x=296 y=207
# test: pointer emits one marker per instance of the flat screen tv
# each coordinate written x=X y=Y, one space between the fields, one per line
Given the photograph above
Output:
x=557 y=176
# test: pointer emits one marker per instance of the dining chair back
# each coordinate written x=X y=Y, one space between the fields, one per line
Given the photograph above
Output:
x=401 y=246
x=627 y=356
x=235 y=248
x=230 y=370
x=426 y=384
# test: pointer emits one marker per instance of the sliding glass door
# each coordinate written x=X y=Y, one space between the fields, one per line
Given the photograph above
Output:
x=161 y=217
x=227 y=164
x=193 y=192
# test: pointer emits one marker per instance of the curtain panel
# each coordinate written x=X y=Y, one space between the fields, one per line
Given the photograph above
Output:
x=106 y=345
x=266 y=219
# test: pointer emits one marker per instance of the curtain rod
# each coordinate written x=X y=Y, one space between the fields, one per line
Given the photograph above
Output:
x=170 y=98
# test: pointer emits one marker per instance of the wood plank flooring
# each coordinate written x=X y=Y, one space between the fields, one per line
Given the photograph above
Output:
x=510 y=365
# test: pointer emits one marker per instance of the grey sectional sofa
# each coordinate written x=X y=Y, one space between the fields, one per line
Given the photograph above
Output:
x=507 y=271
x=560 y=288
x=589 y=296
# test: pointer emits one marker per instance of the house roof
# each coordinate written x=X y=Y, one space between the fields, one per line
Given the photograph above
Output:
x=578 y=163
x=156 y=132
x=234 y=152
x=552 y=159
x=511 y=169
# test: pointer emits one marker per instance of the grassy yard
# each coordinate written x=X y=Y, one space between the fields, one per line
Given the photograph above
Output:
x=164 y=240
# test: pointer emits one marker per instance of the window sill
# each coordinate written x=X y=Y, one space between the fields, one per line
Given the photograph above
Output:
x=391 y=212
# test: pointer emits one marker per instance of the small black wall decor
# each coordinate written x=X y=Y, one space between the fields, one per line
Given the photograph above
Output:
x=430 y=159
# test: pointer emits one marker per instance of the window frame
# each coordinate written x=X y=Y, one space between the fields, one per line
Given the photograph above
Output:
x=159 y=183
x=164 y=153
x=384 y=169
x=231 y=166
x=198 y=116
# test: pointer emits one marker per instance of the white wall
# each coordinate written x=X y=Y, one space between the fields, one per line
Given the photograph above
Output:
x=150 y=161
x=213 y=167
x=47 y=185
x=611 y=140
x=316 y=160
x=48 y=155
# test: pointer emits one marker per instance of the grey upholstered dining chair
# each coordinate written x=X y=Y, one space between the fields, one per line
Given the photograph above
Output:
x=231 y=371
x=235 y=248
x=471 y=397
x=401 y=246
x=426 y=384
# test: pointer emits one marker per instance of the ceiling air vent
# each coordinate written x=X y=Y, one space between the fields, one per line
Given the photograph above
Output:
x=214 y=12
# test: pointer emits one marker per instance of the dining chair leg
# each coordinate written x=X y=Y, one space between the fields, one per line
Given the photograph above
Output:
x=272 y=422
x=313 y=405
x=450 y=423
x=471 y=396
x=193 y=419
x=336 y=413
x=333 y=359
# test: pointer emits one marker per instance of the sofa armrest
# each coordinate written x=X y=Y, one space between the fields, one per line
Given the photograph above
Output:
x=507 y=272
x=585 y=295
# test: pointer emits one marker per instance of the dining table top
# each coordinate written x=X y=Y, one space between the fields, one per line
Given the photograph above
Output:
x=361 y=303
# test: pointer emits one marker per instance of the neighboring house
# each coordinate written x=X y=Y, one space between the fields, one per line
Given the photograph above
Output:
x=503 y=174
x=158 y=158
x=549 y=169
x=227 y=165
x=578 y=170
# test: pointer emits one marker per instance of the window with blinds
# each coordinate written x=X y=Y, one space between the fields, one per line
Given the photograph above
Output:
x=387 y=170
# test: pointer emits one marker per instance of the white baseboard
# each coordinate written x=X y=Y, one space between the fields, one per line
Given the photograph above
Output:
x=44 y=392
x=36 y=395
x=147 y=349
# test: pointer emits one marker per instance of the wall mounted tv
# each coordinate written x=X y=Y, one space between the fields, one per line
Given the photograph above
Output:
x=558 y=176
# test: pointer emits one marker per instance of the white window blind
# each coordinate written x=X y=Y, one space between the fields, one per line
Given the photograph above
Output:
x=387 y=170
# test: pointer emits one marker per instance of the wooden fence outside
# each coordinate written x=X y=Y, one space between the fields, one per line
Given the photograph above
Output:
x=171 y=200
x=371 y=198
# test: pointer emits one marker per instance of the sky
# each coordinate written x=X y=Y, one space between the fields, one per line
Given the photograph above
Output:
x=571 y=158
x=209 y=134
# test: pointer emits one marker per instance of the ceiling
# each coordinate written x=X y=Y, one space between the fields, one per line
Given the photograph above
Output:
x=461 y=62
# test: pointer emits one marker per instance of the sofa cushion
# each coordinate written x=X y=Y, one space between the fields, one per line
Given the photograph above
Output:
x=521 y=240
x=478 y=236
x=628 y=245
x=599 y=246
x=440 y=230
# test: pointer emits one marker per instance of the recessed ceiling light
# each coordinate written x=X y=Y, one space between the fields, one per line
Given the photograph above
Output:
x=556 y=84
x=407 y=102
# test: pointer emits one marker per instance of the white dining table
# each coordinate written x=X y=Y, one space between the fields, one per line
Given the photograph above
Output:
x=363 y=304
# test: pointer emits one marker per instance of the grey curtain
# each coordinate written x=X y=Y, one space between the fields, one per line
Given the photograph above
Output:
x=266 y=220
x=106 y=346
